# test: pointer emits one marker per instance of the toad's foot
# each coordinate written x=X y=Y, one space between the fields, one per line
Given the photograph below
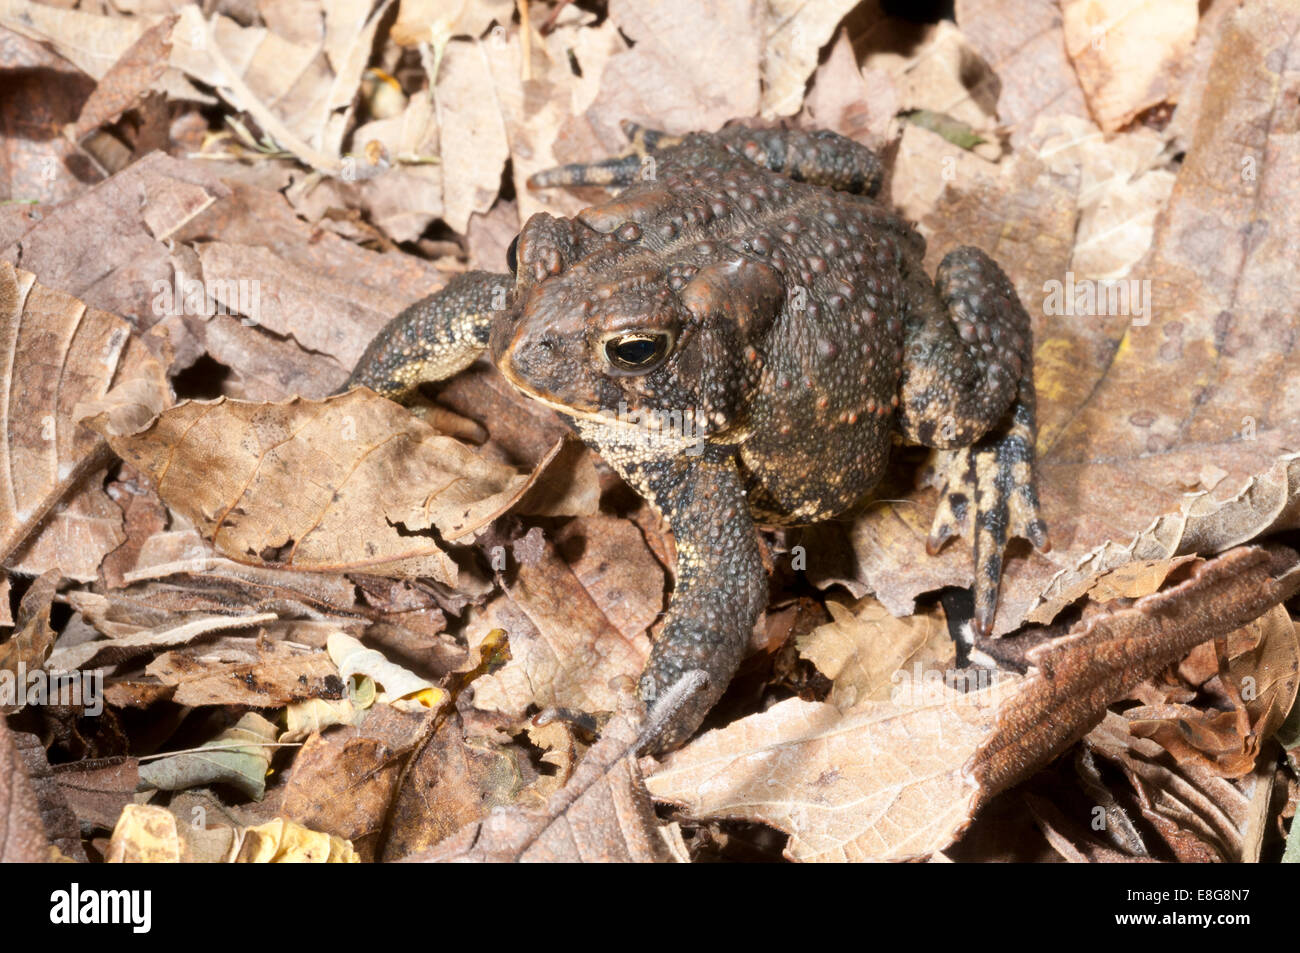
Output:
x=989 y=496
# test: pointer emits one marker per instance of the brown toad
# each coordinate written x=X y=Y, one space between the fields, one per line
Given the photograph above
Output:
x=740 y=333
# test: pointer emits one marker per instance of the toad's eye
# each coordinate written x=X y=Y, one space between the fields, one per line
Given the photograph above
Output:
x=638 y=352
x=512 y=256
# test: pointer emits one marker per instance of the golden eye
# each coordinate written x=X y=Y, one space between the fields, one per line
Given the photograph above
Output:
x=639 y=351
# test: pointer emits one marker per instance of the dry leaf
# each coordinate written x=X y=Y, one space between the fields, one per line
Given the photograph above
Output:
x=603 y=815
x=881 y=782
x=127 y=80
x=397 y=683
x=380 y=479
x=1081 y=673
x=866 y=652
x=22 y=835
x=238 y=756
x=145 y=834
x=1264 y=676
x=343 y=781
x=1128 y=53
x=285 y=842
x=566 y=648
x=453 y=781
x=275 y=676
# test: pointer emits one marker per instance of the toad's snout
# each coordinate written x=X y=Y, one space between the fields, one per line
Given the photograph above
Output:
x=535 y=359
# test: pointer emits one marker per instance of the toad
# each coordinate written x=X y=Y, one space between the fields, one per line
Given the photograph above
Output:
x=742 y=334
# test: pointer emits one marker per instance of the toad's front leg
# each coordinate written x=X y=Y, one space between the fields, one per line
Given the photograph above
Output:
x=721 y=584
x=434 y=338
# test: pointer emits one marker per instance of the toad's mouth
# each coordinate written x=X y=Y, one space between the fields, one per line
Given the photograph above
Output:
x=670 y=430
x=593 y=413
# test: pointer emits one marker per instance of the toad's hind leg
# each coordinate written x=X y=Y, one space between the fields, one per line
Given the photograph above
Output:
x=819 y=157
x=433 y=338
x=968 y=388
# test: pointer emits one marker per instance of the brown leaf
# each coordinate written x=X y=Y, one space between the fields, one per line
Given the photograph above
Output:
x=22 y=834
x=368 y=481
x=97 y=790
x=343 y=781
x=1264 y=676
x=603 y=815
x=1137 y=409
x=58 y=821
x=1200 y=816
x=1266 y=504
x=1081 y=673
x=1128 y=55
x=33 y=638
x=280 y=676
x=1023 y=44
x=453 y=781
x=43 y=91
x=44 y=454
x=566 y=647
x=473 y=135
x=697 y=64
x=142 y=642
x=882 y=782
x=132 y=215
x=128 y=79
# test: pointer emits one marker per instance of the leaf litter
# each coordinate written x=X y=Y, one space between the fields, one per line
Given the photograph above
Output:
x=187 y=291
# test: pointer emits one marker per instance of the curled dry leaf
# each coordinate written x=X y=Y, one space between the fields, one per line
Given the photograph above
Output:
x=1199 y=815
x=286 y=842
x=142 y=642
x=1081 y=673
x=145 y=834
x=239 y=756
x=923 y=770
x=1267 y=503
x=1263 y=673
x=353 y=658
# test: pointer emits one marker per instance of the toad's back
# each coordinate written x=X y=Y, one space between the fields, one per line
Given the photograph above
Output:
x=820 y=381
